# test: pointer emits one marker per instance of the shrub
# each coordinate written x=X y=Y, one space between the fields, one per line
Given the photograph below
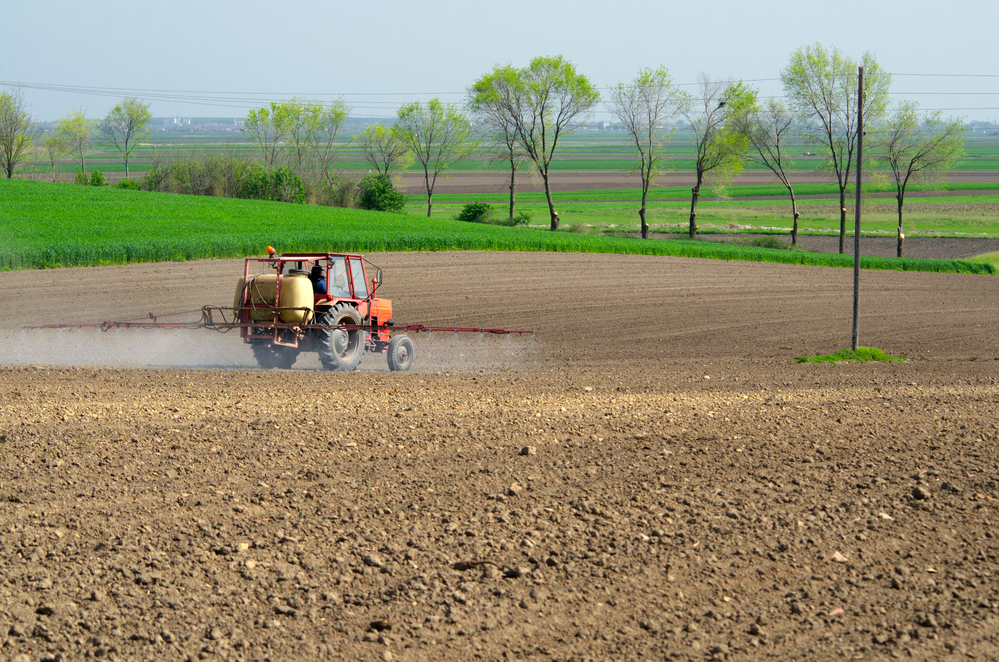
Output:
x=770 y=241
x=156 y=178
x=97 y=178
x=376 y=192
x=332 y=191
x=129 y=184
x=523 y=218
x=279 y=185
x=475 y=212
x=82 y=179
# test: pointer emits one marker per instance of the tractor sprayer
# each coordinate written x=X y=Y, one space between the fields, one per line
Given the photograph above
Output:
x=287 y=304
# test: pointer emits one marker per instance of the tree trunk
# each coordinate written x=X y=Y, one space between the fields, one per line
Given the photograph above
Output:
x=794 y=229
x=551 y=203
x=430 y=190
x=901 y=237
x=513 y=186
x=842 y=220
x=694 y=194
x=641 y=213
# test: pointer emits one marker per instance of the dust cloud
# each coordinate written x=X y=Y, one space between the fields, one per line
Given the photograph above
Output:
x=166 y=348
x=200 y=348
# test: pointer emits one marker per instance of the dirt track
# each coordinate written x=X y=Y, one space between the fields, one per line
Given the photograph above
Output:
x=655 y=478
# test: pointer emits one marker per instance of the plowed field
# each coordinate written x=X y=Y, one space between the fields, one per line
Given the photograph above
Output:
x=653 y=478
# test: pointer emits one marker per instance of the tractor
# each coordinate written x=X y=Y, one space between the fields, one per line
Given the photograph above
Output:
x=306 y=302
x=316 y=302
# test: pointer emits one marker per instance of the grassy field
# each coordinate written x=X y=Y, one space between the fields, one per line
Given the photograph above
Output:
x=581 y=150
x=46 y=225
x=600 y=211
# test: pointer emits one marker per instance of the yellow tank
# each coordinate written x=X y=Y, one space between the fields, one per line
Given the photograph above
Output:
x=296 y=292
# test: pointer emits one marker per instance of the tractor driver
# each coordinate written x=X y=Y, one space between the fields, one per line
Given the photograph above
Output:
x=318 y=278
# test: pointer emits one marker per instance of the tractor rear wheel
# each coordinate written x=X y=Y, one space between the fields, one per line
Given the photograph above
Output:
x=274 y=356
x=400 y=353
x=340 y=349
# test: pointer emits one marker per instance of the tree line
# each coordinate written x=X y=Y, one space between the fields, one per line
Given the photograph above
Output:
x=525 y=113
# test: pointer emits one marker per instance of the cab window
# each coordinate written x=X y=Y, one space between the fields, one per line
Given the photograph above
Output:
x=339 y=286
x=357 y=276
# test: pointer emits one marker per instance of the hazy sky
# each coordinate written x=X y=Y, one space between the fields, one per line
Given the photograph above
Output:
x=220 y=58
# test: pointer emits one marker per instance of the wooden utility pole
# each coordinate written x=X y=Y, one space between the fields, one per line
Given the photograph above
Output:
x=856 y=226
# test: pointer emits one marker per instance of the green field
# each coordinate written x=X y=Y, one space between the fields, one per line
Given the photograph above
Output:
x=45 y=225
x=581 y=150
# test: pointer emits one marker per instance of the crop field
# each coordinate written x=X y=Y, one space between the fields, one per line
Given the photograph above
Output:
x=54 y=225
x=584 y=150
x=595 y=190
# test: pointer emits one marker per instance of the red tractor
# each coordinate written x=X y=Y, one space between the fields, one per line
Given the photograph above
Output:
x=316 y=302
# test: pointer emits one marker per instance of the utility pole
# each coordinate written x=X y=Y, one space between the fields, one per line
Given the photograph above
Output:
x=856 y=225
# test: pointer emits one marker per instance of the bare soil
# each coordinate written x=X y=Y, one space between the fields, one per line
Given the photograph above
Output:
x=654 y=477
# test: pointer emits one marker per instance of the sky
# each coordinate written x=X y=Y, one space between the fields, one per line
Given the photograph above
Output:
x=221 y=58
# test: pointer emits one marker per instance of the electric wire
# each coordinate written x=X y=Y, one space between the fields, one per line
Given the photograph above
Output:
x=382 y=105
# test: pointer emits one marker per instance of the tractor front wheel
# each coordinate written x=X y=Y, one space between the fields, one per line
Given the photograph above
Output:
x=400 y=353
x=340 y=349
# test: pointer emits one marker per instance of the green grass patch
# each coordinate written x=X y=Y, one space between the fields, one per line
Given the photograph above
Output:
x=986 y=258
x=934 y=216
x=46 y=225
x=861 y=355
x=681 y=194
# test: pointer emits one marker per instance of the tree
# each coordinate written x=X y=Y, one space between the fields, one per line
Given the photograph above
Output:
x=769 y=130
x=15 y=131
x=485 y=102
x=643 y=106
x=300 y=128
x=720 y=150
x=438 y=135
x=384 y=148
x=76 y=130
x=328 y=119
x=822 y=87
x=267 y=128
x=914 y=149
x=125 y=126
x=54 y=146
x=544 y=101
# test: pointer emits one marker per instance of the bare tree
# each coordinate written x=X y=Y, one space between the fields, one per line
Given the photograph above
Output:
x=822 y=88
x=644 y=106
x=384 y=148
x=914 y=149
x=438 y=135
x=15 y=131
x=720 y=150
x=125 y=126
x=769 y=130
